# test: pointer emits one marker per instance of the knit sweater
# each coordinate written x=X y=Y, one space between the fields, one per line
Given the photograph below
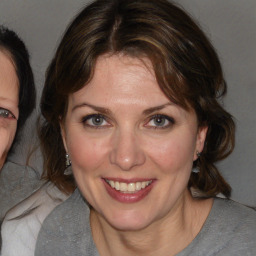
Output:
x=230 y=229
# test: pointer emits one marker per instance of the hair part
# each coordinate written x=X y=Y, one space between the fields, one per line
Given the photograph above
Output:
x=186 y=67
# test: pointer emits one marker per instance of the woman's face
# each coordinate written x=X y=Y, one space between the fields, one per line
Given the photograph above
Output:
x=9 y=100
x=131 y=149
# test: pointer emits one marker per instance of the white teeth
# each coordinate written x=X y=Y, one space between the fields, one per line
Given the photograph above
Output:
x=123 y=187
x=138 y=185
x=112 y=183
x=128 y=187
x=131 y=187
x=117 y=186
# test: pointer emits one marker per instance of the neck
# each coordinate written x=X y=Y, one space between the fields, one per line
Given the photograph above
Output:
x=166 y=236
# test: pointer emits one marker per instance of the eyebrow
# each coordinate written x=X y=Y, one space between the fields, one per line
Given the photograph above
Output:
x=6 y=99
x=154 y=109
x=8 y=104
x=96 y=108
x=107 y=111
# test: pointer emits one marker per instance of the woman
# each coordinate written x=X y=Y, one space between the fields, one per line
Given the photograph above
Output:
x=131 y=102
x=17 y=94
x=17 y=101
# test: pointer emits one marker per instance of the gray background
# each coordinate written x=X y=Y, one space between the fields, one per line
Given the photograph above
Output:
x=230 y=24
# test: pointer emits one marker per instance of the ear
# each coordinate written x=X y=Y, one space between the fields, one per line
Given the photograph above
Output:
x=63 y=134
x=200 y=140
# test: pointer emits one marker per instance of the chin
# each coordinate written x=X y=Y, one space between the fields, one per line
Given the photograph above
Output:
x=128 y=221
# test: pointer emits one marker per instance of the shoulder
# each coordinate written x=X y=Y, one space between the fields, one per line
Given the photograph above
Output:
x=66 y=230
x=230 y=229
x=16 y=183
x=41 y=202
x=236 y=228
x=235 y=215
x=71 y=212
x=23 y=222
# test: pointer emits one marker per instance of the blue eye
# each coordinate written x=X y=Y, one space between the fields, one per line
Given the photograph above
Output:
x=160 y=121
x=95 y=120
x=5 y=113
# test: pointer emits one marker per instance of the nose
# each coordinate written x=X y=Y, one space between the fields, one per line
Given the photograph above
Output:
x=126 y=152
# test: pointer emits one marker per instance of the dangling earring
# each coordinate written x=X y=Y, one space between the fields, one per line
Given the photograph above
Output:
x=68 y=161
x=196 y=169
x=68 y=170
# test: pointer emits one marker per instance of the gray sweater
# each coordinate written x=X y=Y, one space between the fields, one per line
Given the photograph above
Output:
x=230 y=230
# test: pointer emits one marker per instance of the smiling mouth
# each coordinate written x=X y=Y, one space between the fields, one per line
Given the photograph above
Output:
x=130 y=187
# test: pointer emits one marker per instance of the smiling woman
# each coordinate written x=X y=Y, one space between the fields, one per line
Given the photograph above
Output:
x=132 y=102
x=17 y=89
x=135 y=135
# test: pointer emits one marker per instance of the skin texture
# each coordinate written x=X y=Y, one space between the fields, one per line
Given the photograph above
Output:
x=129 y=145
x=9 y=100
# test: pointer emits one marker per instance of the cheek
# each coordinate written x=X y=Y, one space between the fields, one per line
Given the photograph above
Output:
x=85 y=152
x=174 y=153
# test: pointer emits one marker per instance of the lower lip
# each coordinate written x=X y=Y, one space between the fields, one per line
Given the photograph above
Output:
x=128 y=197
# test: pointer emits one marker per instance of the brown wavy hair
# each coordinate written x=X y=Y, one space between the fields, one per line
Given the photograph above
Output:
x=186 y=67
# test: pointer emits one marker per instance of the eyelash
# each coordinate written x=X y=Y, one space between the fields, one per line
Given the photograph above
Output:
x=5 y=113
x=86 y=119
x=161 y=116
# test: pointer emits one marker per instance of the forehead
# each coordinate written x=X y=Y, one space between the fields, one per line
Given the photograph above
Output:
x=9 y=84
x=123 y=77
x=123 y=69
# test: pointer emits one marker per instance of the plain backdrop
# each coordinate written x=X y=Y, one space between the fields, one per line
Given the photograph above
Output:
x=231 y=26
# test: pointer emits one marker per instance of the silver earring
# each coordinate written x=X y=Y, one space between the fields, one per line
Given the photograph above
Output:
x=196 y=169
x=68 y=161
x=68 y=171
